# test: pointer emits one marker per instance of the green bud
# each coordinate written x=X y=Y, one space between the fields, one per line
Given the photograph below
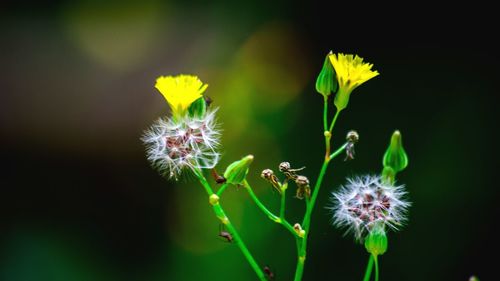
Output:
x=395 y=155
x=376 y=242
x=237 y=171
x=326 y=83
x=198 y=108
x=473 y=278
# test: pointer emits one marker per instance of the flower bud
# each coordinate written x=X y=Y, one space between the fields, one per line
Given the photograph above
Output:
x=237 y=171
x=198 y=108
x=395 y=155
x=376 y=242
x=326 y=83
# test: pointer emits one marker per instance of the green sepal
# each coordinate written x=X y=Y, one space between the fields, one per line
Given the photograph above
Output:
x=326 y=83
x=342 y=98
x=237 y=172
x=198 y=108
x=395 y=155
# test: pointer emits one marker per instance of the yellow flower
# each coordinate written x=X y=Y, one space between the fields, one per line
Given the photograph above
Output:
x=180 y=91
x=351 y=72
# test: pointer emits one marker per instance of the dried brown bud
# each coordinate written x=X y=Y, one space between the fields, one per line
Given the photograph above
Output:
x=302 y=181
x=352 y=136
x=269 y=175
x=284 y=166
x=298 y=229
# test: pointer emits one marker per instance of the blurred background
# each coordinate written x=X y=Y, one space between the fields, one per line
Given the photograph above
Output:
x=78 y=199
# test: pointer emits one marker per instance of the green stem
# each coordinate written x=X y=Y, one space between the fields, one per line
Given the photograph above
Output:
x=259 y=204
x=369 y=268
x=283 y=200
x=334 y=120
x=300 y=266
x=237 y=239
x=266 y=211
x=325 y=114
x=375 y=259
x=338 y=151
x=219 y=212
x=306 y=223
x=221 y=189
x=310 y=207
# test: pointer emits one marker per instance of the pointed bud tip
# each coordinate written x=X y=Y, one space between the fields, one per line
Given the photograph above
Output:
x=395 y=155
x=238 y=170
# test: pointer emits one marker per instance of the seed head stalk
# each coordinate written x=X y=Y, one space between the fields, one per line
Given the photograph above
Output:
x=306 y=223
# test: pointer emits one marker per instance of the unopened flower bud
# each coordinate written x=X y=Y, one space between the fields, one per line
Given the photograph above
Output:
x=237 y=171
x=395 y=155
x=376 y=242
x=284 y=166
x=326 y=83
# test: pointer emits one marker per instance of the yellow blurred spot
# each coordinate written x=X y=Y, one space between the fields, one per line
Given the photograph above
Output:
x=119 y=36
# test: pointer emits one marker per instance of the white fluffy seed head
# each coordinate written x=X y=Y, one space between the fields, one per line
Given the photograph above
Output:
x=365 y=202
x=176 y=145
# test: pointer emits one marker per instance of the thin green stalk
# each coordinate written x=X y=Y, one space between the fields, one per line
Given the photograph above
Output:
x=221 y=189
x=301 y=258
x=325 y=114
x=334 y=120
x=259 y=204
x=266 y=211
x=283 y=200
x=310 y=207
x=306 y=223
x=375 y=259
x=338 y=151
x=369 y=268
x=219 y=212
x=237 y=239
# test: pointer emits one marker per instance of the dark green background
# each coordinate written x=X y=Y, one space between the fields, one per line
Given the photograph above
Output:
x=80 y=202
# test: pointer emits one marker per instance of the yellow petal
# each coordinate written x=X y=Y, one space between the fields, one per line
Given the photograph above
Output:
x=180 y=91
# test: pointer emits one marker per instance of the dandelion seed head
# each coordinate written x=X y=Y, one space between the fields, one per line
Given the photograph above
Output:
x=365 y=202
x=174 y=145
